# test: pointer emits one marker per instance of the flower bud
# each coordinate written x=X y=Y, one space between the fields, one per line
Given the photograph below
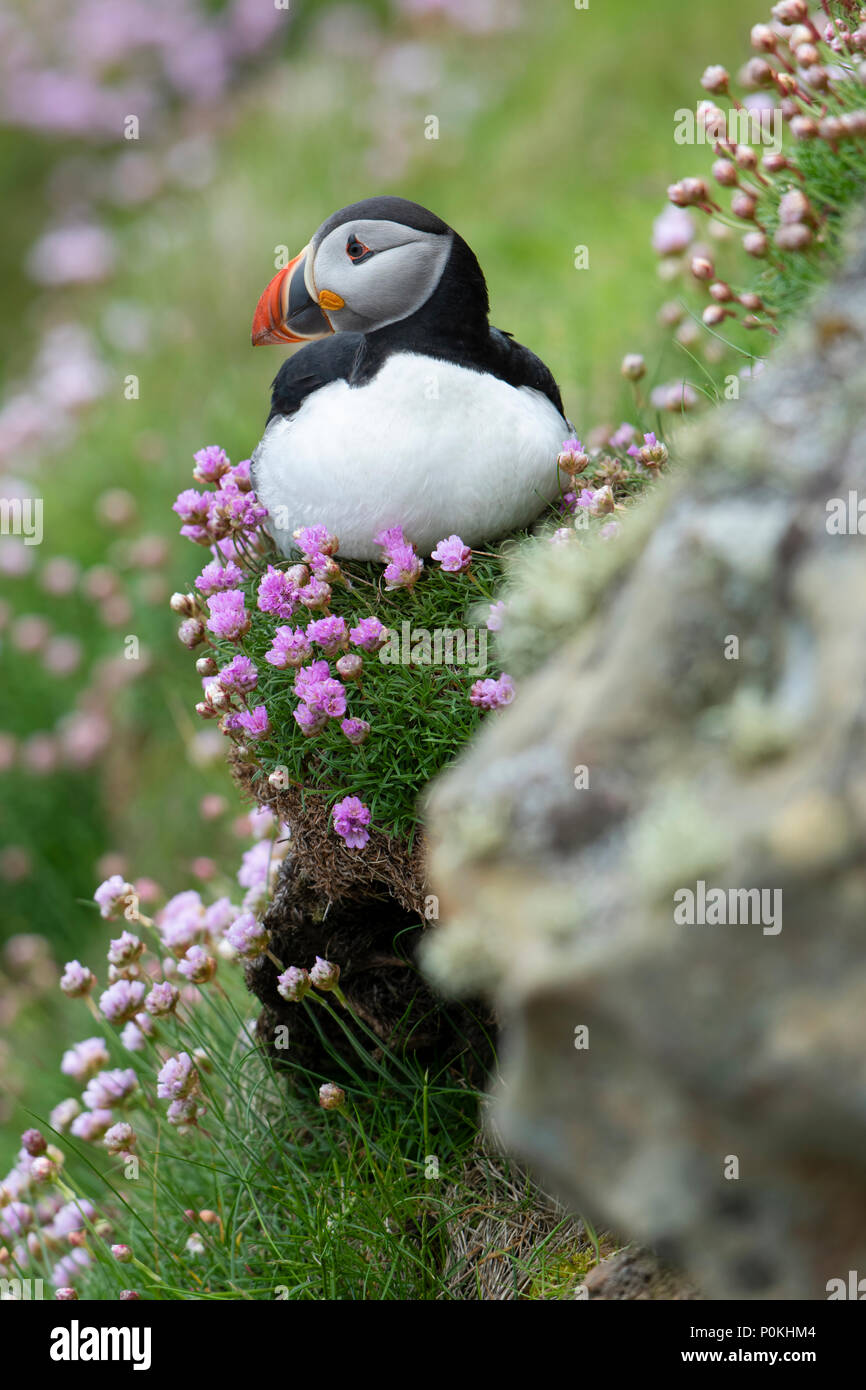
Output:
x=715 y=79
x=817 y=78
x=128 y=1295
x=43 y=1170
x=33 y=1142
x=755 y=243
x=324 y=974
x=746 y=157
x=66 y=1295
x=725 y=173
x=789 y=12
x=297 y=576
x=331 y=1097
x=831 y=129
x=688 y=333
x=633 y=366
x=191 y=632
x=714 y=314
x=120 y=1139
x=183 y=604
x=795 y=237
x=122 y=1253
x=702 y=268
x=774 y=163
x=695 y=190
x=806 y=54
x=794 y=206
x=349 y=667
x=757 y=73
x=764 y=38
x=744 y=205
x=721 y=292
x=670 y=314
x=753 y=302
x=206 y=666
x=804 y=128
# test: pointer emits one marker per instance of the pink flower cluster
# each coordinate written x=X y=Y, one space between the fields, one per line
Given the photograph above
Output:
x=404 y=566
x=231 y=510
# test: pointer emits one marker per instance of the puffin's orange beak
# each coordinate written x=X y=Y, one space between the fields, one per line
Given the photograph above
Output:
x=286 y=312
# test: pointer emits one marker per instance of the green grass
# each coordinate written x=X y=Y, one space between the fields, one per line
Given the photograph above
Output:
x=359 y=1203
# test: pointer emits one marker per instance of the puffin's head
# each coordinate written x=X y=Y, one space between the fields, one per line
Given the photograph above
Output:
x=369 y=265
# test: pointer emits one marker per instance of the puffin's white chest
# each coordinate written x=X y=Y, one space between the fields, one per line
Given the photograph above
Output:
x=427 y=445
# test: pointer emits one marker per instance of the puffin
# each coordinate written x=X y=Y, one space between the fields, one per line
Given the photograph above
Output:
x=404 y=406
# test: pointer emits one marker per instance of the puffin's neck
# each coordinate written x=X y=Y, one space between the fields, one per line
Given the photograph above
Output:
x=453 y=320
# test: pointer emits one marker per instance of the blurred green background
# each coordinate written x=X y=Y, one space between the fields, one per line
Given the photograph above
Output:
x=145 y=258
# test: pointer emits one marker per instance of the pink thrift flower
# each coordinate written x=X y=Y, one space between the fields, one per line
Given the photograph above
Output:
x=85 y=1058
x=124 y=949
x=403 y=569
x=310 y=722
x=495 y=616
x=195 y=511
x=109 y=1088
x=673 y=230
x=120 y=1138
x=369 y=635
x=357 y=731
x=309 y=675
x=315 y=594
x=293 y=984
x=492 y=694
x=390 y=539
x=623 y=436
x=326 y=697
x=162 y=1000
x=210 y=464
x=453 y=555
x=255 y=723
x=228 y=615
x=290 y=648
x=135 y=1033
x=114 y=896
x=177 y=1078
x=351 y=818
x=328 y=633
x=122 y=1000
x=239 y=676
x=247 y=936
x=77 y=980
x=91 y=1125
x=316 y=540
x=239 y=476
x=215 y=577
x=197 y=966
x=277 y=594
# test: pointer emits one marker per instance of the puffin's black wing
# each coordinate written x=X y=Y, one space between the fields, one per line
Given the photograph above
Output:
x=518 y=366
x=326 y=359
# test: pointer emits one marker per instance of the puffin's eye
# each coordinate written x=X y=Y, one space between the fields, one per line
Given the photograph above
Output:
x=356 y=250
